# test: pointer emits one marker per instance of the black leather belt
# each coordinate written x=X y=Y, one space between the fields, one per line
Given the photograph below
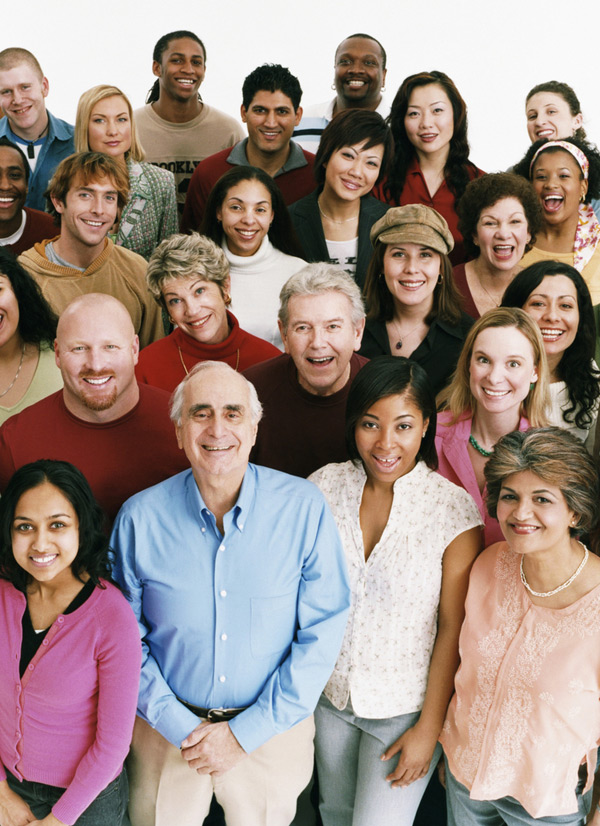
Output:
x=213 y=715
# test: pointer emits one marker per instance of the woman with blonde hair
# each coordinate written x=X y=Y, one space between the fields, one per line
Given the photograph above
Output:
x=104 y=123
x=500 y=385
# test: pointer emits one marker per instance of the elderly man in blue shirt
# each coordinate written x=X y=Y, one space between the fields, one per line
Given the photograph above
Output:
x=237 y=577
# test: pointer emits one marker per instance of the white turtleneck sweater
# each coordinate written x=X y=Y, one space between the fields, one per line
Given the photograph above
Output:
x=256 y=281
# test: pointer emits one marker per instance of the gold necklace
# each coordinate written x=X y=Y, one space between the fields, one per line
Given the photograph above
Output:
x=187 y=372
x=12 y=384
x=333 y=221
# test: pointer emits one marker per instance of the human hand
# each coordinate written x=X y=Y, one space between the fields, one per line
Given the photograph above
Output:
x=594 y=817
x=416 y=750
x=211 y=748
x=13 y=809
x=49 y=820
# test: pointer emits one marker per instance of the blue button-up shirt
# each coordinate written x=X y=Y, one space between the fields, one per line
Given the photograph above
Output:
x=57 y=146
x=253 y=617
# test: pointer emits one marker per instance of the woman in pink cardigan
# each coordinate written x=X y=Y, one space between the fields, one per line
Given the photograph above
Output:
x=70 y=656
x=522 y=729
x=500 y=385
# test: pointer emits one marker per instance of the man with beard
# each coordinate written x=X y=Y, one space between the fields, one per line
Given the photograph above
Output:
x=118 y=433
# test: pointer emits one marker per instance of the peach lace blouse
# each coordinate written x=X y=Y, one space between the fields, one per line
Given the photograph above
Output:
x=526 y=711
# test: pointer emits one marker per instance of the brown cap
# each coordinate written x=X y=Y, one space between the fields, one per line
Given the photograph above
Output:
x=414 y=224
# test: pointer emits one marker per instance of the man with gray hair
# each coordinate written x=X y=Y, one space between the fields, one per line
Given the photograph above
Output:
x=237 y=577
x=304 y=391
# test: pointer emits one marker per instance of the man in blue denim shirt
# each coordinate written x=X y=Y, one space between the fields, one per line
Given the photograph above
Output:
x=44 y=139
x=237 y=576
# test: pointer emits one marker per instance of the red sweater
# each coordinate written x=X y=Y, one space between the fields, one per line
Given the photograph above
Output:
x=38 y=226
x=166 y=362
x=118 y=458
x=299 y=432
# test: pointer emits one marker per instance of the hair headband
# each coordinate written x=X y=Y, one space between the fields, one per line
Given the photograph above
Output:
x=579 y=156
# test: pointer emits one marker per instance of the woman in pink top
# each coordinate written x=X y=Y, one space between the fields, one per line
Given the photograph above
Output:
x=500 y=385
x=522 y=730
x=70 y=656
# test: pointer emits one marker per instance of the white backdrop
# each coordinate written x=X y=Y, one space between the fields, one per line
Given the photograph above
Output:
x=494 y=51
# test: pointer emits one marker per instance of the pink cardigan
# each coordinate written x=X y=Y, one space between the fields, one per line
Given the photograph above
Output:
x=68 y=721
x=455 y=465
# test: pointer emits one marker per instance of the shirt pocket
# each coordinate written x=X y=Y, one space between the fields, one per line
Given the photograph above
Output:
x=272 y=624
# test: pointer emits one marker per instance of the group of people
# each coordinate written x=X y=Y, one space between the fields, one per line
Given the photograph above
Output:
x=297 y=455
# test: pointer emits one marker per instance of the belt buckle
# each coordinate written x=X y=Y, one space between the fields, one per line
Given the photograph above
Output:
x=217 y=715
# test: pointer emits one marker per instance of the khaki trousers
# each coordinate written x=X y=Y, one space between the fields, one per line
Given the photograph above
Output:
x=260 y=791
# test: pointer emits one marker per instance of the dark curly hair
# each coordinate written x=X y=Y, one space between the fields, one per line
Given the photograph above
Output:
x=271 y=77
x=588 y=149
x=576 y=365
x=348 y=128
x=93 y=556
x=37 y=319
x=392 y=376
x=459 y=170
x=161 y=46
x=281 y=233
x=567 y=93
x=484 y=192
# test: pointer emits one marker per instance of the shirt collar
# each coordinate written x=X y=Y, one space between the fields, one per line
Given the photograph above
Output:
x=296 y=158
x=238 y=514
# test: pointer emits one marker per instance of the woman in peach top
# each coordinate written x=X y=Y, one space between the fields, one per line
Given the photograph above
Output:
x=522 y=730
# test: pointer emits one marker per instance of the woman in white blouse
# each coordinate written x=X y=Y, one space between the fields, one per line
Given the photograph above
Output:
x=410 y=538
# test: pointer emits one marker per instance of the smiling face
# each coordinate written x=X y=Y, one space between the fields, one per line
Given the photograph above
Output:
x=549 y=116
x=13 y=190
x=45 y=534
x=22 y=97
x=9 y=311
x=270 y=119
x=109 y=129
x=88 y=213
x=246 y=216
x=320 y=337
x=429 y=119
x=388 y=437
x=533 y=515
x=216 y=430
x=502 y=234
x=181 y=70
x=359 y=73
x=97 y=350
x=553 y=306
x=560 y=186
x=352 y=171
x=501 y=369
x=411 y=273
x=197 y=307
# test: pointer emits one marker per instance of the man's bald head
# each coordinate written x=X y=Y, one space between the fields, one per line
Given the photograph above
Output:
x=96 y=351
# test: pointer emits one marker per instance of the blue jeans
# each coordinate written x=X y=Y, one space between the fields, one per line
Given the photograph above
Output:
x=109 y=806
x=352 y=784
x=462 y=811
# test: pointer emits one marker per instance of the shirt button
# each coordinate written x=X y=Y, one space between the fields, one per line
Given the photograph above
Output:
x=44 y=642
x=222 y=678
x=241 y=526
x=223 y=593
x=221 y=547
x=30 y=667
x=61 y=619
x=223 y=637
x=203 y=530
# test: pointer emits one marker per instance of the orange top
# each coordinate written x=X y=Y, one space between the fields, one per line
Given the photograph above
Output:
x=526 y=711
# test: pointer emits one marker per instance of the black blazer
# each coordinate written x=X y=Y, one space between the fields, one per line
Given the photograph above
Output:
x=309 y=229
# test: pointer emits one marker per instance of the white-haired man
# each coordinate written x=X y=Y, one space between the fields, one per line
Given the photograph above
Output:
x=237 y=577
x=303 y=392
